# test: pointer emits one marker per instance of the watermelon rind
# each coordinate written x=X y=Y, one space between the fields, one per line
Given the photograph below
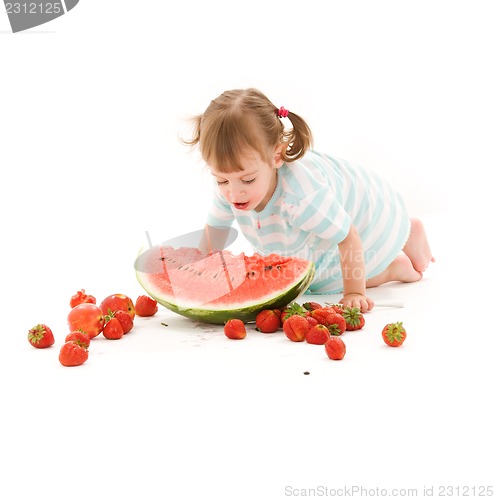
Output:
x=246 y=313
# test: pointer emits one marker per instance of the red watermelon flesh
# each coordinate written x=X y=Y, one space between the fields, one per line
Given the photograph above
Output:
x=221 y=285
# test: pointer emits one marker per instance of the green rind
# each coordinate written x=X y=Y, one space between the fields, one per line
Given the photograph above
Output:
x=246 y=314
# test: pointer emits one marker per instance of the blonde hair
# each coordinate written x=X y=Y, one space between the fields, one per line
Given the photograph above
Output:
x=238 y=120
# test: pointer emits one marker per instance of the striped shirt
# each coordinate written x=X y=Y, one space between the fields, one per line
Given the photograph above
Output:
x=316 y=200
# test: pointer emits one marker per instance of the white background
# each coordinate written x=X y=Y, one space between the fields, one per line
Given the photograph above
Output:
x=91 y=106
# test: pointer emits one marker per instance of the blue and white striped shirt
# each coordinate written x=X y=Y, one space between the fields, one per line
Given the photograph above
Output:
x=316 y=200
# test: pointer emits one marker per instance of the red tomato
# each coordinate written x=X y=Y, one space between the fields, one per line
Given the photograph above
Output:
x=86 y=317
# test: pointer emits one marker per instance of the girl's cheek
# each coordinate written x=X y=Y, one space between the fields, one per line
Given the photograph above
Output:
x=224 y=191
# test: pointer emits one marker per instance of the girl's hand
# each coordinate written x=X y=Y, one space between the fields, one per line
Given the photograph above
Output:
x=365 y=304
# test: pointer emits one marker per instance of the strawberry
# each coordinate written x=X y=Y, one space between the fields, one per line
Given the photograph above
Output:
x=72 y=354
x=312 y=321
x=146 y=306
x=113 y=329
x=80 y=338
x=394 y=334
x=335 y=347
x=333 y=321
x=293 y=309
x=354 y=319
x=81 y=297
x=296 y=327
x=317 y=334
x=235 y=329
x=125 y=320
x=40 y=336
x=336 y=324
x=311 y=306
x=268 y=321
x=338 y=308
x=321 y=314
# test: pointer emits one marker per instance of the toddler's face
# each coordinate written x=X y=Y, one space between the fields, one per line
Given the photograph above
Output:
x=252 y=187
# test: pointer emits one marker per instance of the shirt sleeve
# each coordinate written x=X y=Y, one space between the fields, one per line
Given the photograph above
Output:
x=220 y=213
x=322 y=214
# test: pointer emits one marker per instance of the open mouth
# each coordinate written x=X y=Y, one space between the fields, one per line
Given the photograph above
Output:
x=240 y=206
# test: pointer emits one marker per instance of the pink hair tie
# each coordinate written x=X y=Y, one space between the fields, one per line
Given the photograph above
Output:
x=282 y=112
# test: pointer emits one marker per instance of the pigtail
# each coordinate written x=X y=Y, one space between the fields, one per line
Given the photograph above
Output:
x=196 y=123
x=299 y=137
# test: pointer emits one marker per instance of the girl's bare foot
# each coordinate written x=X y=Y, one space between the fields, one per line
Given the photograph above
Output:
x=417 y=247
x=401 y=269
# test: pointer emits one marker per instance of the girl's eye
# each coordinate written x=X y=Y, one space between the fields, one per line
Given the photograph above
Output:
x=250 y=181
x=222 y=183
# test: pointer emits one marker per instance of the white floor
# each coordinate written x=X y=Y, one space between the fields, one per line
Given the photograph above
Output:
x=180 y=411
x=90 y=111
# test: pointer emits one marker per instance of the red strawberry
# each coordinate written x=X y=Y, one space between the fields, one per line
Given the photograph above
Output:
x=81 y=297
x=312 y=321
x=72 y=354
x=80 y=338
x=125 y=320
x=335 y=347
x=146 y=306
x=354 y=319
x=296 y=327
x=318 y=334
x=338 y=308
x=394 y=334
x=113 y=329
x=268 y=321
x=311 y=306
x=40 y=336
x=291 y=310
x=235 y=329
x=333 y=321
x=336 y=324
x=321 y=314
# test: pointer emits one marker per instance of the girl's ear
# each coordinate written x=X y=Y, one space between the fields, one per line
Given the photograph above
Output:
x=278 y=161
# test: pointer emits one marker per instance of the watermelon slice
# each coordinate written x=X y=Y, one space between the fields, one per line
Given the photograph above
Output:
x=221 y=285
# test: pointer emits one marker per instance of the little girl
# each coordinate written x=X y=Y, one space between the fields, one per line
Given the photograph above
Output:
x=291 y=200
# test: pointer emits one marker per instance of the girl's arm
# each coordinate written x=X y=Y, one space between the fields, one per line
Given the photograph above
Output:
x=213 y=238
x=354 y=272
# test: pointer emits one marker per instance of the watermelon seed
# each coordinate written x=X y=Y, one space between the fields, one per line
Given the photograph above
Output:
x=268 y=268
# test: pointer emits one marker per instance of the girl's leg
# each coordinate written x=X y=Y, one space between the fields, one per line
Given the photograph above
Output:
x=417 y=247
x=401 y=269
x=410 y=265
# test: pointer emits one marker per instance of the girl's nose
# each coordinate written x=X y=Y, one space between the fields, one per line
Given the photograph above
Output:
x=236 y=194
